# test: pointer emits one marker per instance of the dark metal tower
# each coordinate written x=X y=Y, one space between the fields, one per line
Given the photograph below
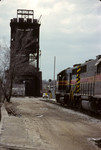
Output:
x=25 y=43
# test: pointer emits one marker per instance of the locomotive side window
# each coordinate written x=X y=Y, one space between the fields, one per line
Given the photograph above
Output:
x=99 y=68
x=74 y=71
x=83 y=68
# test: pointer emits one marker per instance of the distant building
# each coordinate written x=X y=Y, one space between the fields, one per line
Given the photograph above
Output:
x=25 y=53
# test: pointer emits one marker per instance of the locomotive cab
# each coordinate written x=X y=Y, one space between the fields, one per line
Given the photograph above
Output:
x=64 y=85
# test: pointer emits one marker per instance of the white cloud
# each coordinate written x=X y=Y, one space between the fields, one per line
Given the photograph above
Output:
x=63 y=6
x=82 y=23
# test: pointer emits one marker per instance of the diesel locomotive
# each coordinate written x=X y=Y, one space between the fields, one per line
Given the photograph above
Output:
x=80 y=86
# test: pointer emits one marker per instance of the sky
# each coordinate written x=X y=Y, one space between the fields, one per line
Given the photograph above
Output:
x=70 y=30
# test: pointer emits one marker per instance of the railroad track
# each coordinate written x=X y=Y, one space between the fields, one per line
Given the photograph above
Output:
x=89 y=113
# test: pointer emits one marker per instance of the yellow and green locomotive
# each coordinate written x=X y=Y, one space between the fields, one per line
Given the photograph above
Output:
x=80 y=86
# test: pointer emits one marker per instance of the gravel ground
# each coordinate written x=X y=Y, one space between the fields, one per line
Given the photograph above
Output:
x=52 y=127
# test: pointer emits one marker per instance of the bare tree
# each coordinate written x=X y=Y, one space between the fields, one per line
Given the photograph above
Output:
x=15 y=62
x=4 y=66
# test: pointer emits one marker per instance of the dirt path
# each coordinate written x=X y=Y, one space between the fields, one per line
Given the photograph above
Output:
x=52 y=127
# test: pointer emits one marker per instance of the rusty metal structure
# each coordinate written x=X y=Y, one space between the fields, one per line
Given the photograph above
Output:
x=25 y=50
